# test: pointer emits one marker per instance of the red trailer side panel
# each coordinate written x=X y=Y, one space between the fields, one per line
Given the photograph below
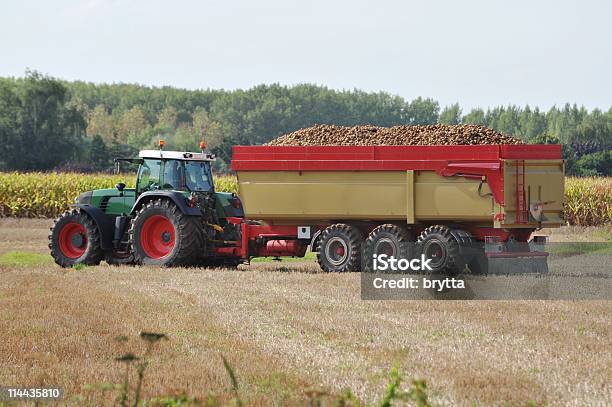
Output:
x=380 y=158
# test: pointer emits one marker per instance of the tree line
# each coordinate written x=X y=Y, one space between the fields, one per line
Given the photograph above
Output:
x=50 y=124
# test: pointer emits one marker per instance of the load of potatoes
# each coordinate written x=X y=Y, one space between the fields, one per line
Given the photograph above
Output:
x=419 y=135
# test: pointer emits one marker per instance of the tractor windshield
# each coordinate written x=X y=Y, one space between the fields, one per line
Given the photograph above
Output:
x=198 y=176
x=187 y=175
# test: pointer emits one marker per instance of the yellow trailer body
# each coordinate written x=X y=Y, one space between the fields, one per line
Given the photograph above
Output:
x=493 y=186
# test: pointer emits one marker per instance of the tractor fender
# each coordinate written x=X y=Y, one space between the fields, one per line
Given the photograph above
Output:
x=104 y=223
x=176 y=197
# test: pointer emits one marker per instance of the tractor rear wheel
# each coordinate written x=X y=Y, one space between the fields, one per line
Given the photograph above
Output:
x=340 y=248
x=391 y=240
x=75 y=239
x=437 y=243
x=160 y=234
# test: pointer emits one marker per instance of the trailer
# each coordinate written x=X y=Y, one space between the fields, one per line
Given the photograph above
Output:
x=471 y=206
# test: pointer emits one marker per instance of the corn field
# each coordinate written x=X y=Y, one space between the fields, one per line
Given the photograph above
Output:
x=588 y=201
x=34 y=195
x=46 y=195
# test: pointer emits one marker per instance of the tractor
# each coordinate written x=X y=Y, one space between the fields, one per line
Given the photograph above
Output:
x=173 y=217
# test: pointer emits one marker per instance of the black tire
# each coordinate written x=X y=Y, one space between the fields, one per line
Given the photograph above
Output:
x=116 y=258
x=437 y=242
x=180 y=241
x=75 y=239
x=388 y=239
x=340 y=238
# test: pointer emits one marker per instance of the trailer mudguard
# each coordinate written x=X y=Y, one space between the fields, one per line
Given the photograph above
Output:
x=104 y=223
x=177 y=197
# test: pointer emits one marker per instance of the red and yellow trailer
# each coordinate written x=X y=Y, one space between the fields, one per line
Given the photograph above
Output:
x=351 y=198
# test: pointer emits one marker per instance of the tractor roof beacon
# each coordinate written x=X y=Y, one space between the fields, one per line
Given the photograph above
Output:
x=173 y=216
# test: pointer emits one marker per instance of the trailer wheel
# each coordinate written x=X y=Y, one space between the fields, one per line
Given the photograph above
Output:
x=160 y=234
x=75 y=239
x=340 y=248
x=391 y=240
x=437 y=243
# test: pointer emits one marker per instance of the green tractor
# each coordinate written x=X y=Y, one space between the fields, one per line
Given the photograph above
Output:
x=173 y=217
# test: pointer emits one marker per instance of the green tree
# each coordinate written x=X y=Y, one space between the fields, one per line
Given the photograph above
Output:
x=595 y=164
x=40 y=114
x=98 y=153
x=422 y=111
x=451 y=114
x=100 y=122
x=144 y=139
x=206 y=129
x=10 y=132
x=167 y=118
x=40 y=129
x=132 y=123
x=475 y=116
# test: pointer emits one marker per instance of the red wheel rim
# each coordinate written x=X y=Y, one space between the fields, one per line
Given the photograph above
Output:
x=73 y=240
x=157 y=237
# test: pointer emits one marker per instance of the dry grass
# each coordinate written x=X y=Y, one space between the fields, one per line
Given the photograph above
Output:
x=289 y=332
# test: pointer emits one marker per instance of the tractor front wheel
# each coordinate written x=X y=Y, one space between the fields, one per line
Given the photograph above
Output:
x=160 y=234
x=75 y=239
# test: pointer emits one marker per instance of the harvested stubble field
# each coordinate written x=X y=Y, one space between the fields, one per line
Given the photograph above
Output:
x=287 y=330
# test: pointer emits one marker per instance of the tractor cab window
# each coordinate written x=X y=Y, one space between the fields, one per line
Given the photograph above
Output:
x=174 y=175
x=148 y=175
x=198 y=176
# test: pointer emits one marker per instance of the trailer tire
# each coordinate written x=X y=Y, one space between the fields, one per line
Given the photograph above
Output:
x=391 y=240
x=160 y=234
x=75 y=239
x=437 y=243
x=340 y=248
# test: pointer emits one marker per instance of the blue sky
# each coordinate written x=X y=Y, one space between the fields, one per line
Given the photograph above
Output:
x=478 y=53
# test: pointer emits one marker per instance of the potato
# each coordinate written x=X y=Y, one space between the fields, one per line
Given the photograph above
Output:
x=420 y=135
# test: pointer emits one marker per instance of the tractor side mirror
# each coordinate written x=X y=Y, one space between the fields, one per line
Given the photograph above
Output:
x=120 y=186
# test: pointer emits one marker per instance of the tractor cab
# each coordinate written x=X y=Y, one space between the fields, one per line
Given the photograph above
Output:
x=174 y=170
x=186 y=176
